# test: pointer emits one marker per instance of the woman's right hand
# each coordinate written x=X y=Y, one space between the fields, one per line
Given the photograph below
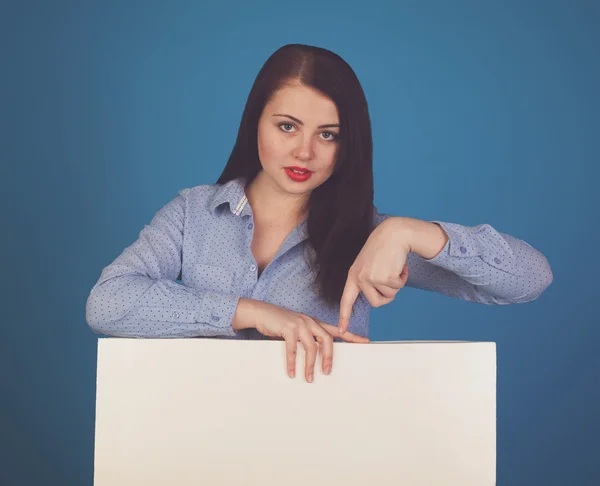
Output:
x=278 y=322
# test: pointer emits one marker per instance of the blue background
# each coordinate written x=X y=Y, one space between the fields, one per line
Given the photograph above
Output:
x=482 y=112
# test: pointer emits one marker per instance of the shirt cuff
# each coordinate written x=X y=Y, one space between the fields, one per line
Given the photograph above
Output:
x=467 y=242
x=217 y=310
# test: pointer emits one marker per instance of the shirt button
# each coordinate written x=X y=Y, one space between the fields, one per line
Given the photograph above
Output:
x=253 y=267
x=215 y=318
x=250 y=226
x=463 y=249
x=497 y=260
x=176 y=314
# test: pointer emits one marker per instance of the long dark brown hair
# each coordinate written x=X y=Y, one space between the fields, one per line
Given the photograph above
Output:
x=340 y=211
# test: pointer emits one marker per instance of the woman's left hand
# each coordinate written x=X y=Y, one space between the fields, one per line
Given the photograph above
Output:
x=380 y=269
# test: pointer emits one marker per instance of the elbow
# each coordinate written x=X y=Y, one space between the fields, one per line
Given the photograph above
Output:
x=539 y=282
x=93 y=314
x=546 y=281
x=547 y=277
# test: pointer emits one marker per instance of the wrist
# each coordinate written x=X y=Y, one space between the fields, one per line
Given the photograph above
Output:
x=402 y=230
x=244 y=315
x=424 y=238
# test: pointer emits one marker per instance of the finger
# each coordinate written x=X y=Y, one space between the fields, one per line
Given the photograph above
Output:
x=351 y=291
x=348 y=336
x=374 y=297
x=325 y=341
x=394 y=282
x=291 y=350
x=397 y=281
x=404 y=275
x=386 y=291
x=310 y=346
x=354 y=338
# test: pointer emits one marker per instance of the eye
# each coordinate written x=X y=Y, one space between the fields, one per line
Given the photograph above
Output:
x=285 y=125
x=332 y=136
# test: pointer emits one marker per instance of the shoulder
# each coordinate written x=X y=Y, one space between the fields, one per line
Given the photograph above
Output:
x=204 y=191
x=189 y=200
x=211 y=196
x=199 y=197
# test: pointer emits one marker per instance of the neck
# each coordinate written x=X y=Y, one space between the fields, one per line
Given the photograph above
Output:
x=272 y=205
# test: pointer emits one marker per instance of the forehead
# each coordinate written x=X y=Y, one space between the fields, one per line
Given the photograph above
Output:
x=304 y=103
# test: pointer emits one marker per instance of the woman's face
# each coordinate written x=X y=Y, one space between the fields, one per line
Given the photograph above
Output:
x=298 y=128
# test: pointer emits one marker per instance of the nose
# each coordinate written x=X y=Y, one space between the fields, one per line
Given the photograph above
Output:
x=304 y=151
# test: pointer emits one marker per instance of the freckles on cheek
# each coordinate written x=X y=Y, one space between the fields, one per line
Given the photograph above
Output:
x=268 y=152
x=273 y=149
x=263 y=147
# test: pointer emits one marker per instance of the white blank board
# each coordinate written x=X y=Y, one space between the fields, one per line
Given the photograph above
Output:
x=224 y=412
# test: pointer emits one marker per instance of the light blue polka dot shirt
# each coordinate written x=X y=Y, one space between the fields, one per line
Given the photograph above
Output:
x=203 y=238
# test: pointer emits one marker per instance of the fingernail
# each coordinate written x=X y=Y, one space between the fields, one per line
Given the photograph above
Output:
x=292 y=374
x=342 y=331
x=310 y=378
x=327 y=370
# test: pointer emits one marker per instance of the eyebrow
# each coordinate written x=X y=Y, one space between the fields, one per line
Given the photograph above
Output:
x=300 y=121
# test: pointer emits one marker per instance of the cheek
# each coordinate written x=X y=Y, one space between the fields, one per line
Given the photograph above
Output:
x=329 y=159
x=268 y=149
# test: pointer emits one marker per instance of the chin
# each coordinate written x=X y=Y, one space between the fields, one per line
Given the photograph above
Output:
x=299 y=187
x=298 y=190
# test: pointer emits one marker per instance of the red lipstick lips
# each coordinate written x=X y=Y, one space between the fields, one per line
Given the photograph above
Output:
x=298 y=174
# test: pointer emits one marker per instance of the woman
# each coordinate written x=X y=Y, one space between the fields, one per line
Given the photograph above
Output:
x=288 y=241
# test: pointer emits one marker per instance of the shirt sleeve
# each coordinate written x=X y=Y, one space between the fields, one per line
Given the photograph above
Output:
x=137 y=294
x=480 y=264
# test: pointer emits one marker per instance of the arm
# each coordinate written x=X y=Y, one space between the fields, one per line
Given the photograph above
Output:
x=477 y=264
x=137 y=296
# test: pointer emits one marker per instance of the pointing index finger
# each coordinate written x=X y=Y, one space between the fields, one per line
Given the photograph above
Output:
x=351 y=291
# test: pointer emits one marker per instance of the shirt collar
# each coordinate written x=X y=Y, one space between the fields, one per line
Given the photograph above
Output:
x=233 y=193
